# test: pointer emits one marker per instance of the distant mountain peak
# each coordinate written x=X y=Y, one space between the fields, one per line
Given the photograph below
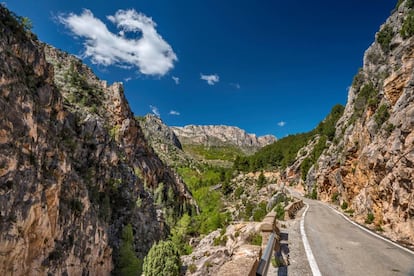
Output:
x=222 y=135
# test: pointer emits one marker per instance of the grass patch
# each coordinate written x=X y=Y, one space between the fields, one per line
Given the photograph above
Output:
x=370 y=218
x=255 y=239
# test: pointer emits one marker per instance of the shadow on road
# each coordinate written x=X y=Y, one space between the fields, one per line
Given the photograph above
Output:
x=282 y=255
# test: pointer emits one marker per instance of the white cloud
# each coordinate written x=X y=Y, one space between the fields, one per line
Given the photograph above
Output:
x=173 y=112
x=149 y=52
x=176 y=80
x=210 y=79
x=155 y=110
x=127 y=79
x=281 y=123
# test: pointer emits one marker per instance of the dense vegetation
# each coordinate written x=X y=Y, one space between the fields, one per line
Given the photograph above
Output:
x=283 y=152
x=162 y=259
x=227 y=153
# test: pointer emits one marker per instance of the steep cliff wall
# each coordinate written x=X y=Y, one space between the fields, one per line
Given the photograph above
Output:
x=370 y=164
x=74 y=165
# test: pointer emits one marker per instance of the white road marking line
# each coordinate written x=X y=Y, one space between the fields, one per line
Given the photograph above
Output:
x=372 y=233
x=308 y=250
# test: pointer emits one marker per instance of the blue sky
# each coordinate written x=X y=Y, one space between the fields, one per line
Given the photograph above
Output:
x=269 y=67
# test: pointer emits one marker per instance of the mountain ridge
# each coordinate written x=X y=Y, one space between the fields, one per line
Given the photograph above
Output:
x=219 y=135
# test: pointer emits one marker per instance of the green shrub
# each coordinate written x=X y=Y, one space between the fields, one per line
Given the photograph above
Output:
x=313 y=194
x=384 y=38
x=304 y=167
x=280 y=211
x=358 y=80
x=220 y=240
x=370 y=218
x=239 y=191
x=389 y=128
x=344 y=205
x=407 y=29
x=350 y=211
x=261 y=181
x=335 y=197
x=260 y=211
x=162 y=259
x=381 y=115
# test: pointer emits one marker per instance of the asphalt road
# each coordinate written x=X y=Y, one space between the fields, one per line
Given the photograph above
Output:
x=341 y=248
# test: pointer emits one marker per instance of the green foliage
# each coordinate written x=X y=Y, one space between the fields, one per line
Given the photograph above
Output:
x=280 y=211
x=238 y=192
x=389 y=128
x=255 y=239
x=26 y=23
x=210 y=202
x=192 y=268
x=211 y=216
x=367 y=96
x=260 y=211
x=220 y=240
x=279 y=154
x=128 y=264
x=180 y=235
x=370 y=218
x=283 y=152
x=358 y=80
x=276 y=262
x=384 y=38
x=313 y=194
x=162 y=259
x=327 y=126
x=248 y=210
x=335 y=197
x=83 y=93
x=381 y=115
x=344 y=205
x=214 y=152
x=407 y=29
x=261 y=181
x=305 y=166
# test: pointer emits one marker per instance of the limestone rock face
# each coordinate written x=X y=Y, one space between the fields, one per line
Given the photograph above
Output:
x=371 y=164
x=222 y=136
x=164 y=141
x=73 y=163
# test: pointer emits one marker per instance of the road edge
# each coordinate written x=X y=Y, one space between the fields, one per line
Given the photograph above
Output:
x=370 y=232
x=311 y=259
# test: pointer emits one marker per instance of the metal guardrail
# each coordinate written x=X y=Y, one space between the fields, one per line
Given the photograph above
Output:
x=266 y=258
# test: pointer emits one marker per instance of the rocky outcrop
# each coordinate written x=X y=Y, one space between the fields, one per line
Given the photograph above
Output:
x=370 y=166
x=75 y=167
x=164 y=141
x=222 y=136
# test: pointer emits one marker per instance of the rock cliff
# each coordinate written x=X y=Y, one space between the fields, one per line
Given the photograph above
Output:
x=164 y=141
x=75 y=168
x=222 y=136
x=369 y=167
